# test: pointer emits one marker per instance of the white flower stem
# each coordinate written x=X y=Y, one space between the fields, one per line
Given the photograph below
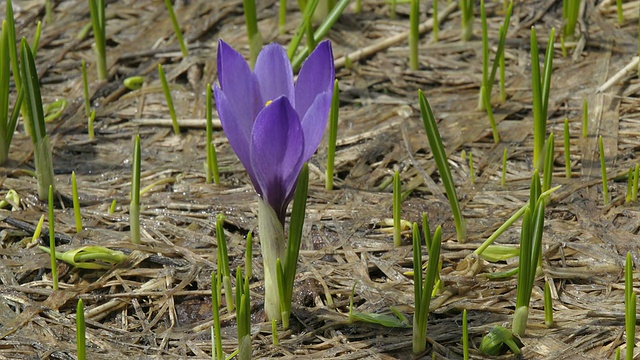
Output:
x=273 y=247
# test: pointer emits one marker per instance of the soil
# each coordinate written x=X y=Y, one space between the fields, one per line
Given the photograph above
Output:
x=156 y=303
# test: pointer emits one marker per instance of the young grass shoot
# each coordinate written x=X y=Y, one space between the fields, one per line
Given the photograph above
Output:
x=397 y=210
x=603 y=168
x=333 y=135
x=35 y=121
x=8 y=121
x=530 y=252
x=287 y=269
x=466 y=24
x=216 y=333
x=423 y=287
x=211 y=167
x=321 y=31
x=567 y=149
x=548 y=305
x=436 y=22
x=253 y=34
x=134 y=206
x=465 y=336
x=585 y=118
x=440 y=157
x=243 y=316
x=540 y=85
x=167 y=96
x=81 y=342
x=307 y=16
x=76 y=202
x=630 y=315
x=414 y=34
x=503 y=176
x=99 y=24
x=176 y=28
x=224 y=271
x=52 y=241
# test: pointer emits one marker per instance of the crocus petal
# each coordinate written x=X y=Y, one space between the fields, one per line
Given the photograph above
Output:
x=238 y=131
x=314 y=122
x=276 y=152
x=274 y=73
x=316 y=76
x=239 y=84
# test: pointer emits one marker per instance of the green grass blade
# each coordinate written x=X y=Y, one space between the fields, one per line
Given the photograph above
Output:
x=311 y=44
x=216 y=341
x=503 y=89
x=440 y=157
x=539 y=118
x=52 y=241
x=307 y=14
x=35 y=121
x=525 y=255
x=253 y=34
x=585 y=118
x=603 y=167
x=546 y=77
x=414 y=34
x=13 y=52
x=466 y=19
x=503 y=177
x=33 y=99
x=295 y=236
x=627 y=198
x=333 y=135
x=472 y=172
x=485 y=58
x=223 y=261
x=548 y=163
x=274 y=332
x=465 y=336
x=248 y=258
x=498 y=60
x=134 y=206
x=5 y=63
x=619 y=12
x=36 y=39
x=282 y=16
x=420 y=322
x=90 y=121
x=212 y=157
x=397 y=209
x=548 y=305
x=176 y=28
x=322 y=30
x=630 y=307
x=98 y=22
x=634 y=190
x=76 y=202
x=426 y=230
x=567 y=150
x=492 y=120
x=167 y=96
x=417 y=269
x=435 y=30
x=85 y=89
x=537 y=228
x=81 y=343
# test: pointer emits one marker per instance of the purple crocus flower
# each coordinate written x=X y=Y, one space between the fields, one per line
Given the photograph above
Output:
x=274 y=125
